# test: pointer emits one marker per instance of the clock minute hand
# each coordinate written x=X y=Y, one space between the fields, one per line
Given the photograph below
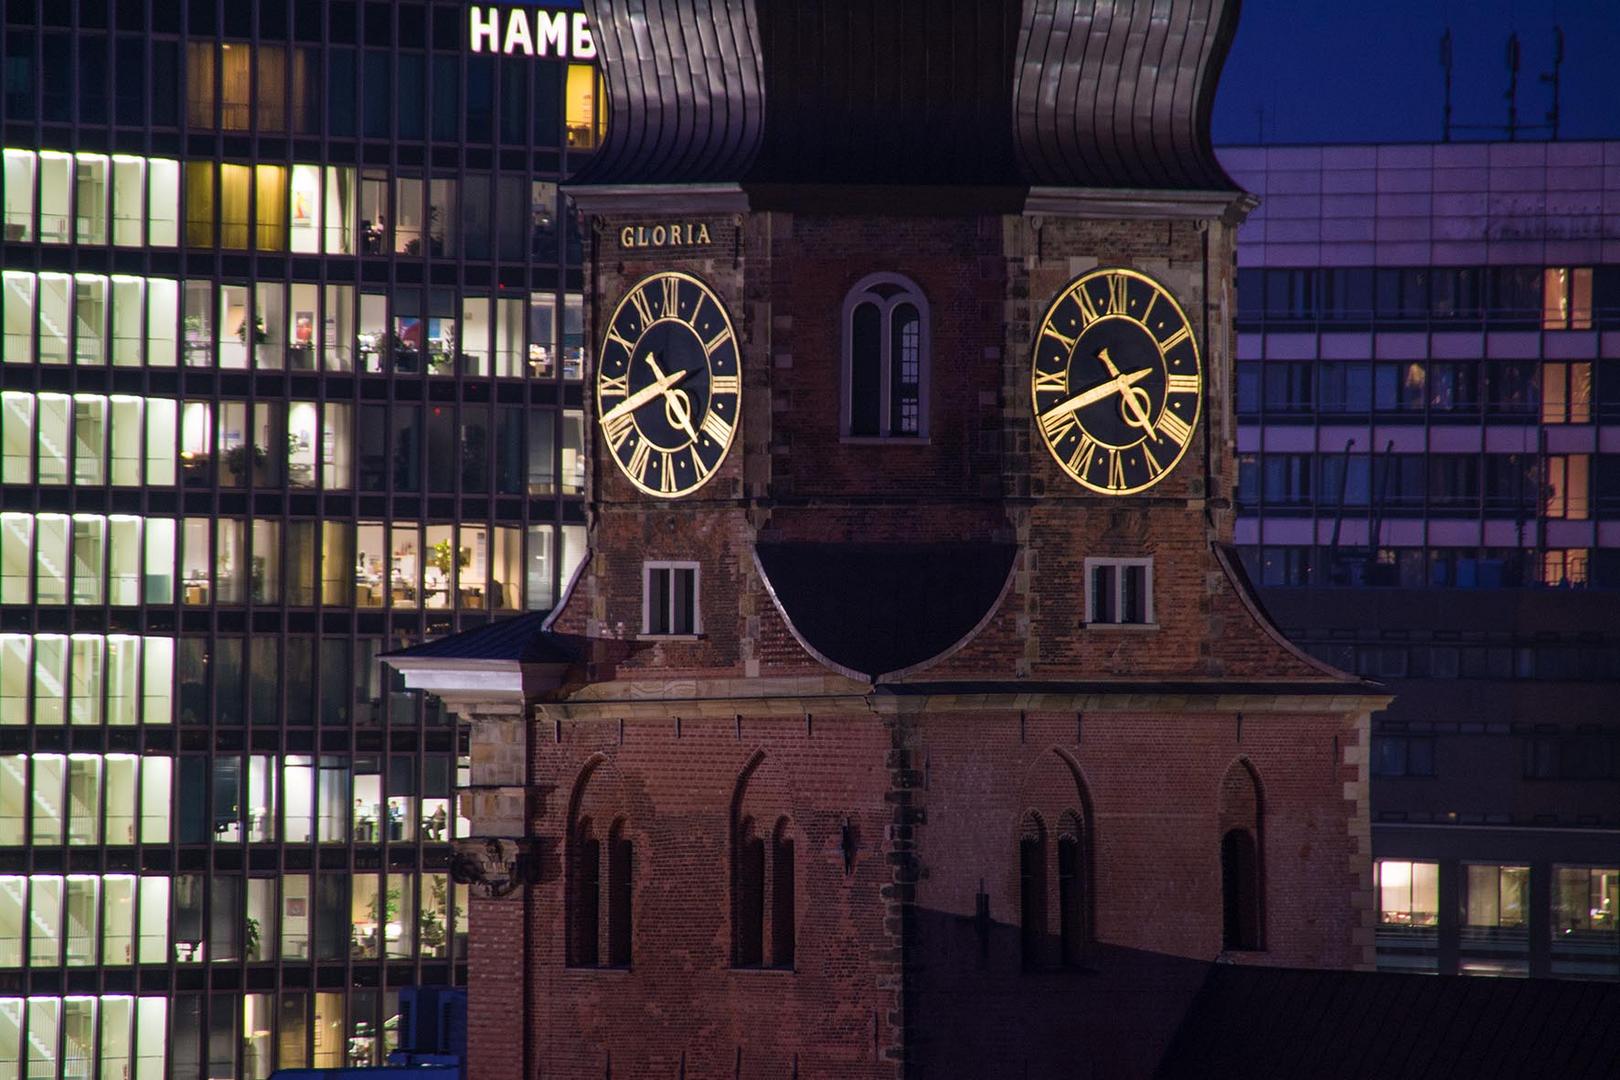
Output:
x=636 y=400
x=1117 y=385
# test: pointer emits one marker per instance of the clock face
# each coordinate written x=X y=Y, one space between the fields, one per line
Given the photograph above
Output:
x=1116 y=380
x=668 y=384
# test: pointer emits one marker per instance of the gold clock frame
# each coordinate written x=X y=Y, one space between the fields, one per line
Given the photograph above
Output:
x=1163 y=292
x=628 y=297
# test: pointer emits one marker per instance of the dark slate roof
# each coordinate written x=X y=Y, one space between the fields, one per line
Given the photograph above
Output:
x=1265 y=1023
x=877 y=608
x=982 y=93
x=523 y=639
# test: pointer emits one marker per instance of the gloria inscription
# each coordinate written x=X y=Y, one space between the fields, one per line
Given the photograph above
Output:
x=673 y=234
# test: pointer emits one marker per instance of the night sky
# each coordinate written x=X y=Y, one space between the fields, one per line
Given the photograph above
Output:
x=1315 y=71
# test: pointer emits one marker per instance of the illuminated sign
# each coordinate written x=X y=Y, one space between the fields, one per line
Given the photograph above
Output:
x=673 y=235
x=530 y=31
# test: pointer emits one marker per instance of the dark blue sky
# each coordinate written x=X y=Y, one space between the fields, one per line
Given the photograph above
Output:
x=1369 y=70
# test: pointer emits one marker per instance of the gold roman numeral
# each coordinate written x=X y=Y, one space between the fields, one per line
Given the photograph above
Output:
x=666 y=473
x=671 y=295
x=1116 y=471
x=619 y=429
x=1175 y=427
x=701 y=470
x=613 y=338
x=1057 y=425
x=639 y=459
x=1081 y=458
x=1153 y=467
x=1181 y=384
x=725 y=384
x=718 y=340
x=1088 y=308
x=1117 y=284
x=1174 y=339
x=643 y=307
x=1147 y=313
x=1062 y=339
x=717 y=428
x=1055 y=381
x=615 y=384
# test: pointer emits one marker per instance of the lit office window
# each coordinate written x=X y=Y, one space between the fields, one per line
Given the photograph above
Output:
x=1408 y=892
x=55 y=191
x=1566 y=298
x=21 y=170
x=585 y=119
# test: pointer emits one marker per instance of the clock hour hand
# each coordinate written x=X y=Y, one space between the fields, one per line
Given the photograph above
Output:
x=658 y=386
x=1119 y=384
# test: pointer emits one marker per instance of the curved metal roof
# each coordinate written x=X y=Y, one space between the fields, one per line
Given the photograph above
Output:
x=1008 y=93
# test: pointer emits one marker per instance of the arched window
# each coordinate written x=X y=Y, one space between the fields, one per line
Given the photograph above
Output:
x=584 y=895
x=782 y=886
x=1032 y=891
x=748 y=897
x=1240 y=891
x=1242 y=856
x=886 y=359
x=620 y=876
x=1074 y=890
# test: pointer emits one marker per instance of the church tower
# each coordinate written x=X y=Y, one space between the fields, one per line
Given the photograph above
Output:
x=910 y=715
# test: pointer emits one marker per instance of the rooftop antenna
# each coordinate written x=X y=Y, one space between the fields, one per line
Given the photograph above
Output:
x=1558 y=63
x=1512 y=94
x=1445 y=65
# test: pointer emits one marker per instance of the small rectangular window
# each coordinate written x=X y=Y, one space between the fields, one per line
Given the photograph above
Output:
x=670 y=599
x=1119 y=591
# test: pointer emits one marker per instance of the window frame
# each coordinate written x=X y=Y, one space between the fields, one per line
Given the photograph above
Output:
x=1149 y=616
x=864 y=292
x=650 y=567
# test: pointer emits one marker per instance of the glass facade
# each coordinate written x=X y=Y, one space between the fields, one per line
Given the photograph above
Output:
x=289 y=376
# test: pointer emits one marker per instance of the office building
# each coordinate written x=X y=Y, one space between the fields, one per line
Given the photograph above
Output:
x=1429 y=457
x=290 y=376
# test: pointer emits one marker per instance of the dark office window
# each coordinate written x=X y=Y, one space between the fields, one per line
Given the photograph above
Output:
x=93 y=79
x=547 y=111
x=514 y=103
x=1454 y=387
x=1512 y=386
x=1344 y=387
x=191 y=677
x=412 y=85
x=509 y=461
x=228 y=684
x=19 y=75
x=1344 y=480
x=1513 y=294
x=340 y=69
x=165 y=83
x=1288 y=386
x=1240 y=891
x=1248 y=388
x=407 y=456
x=511 y=209
x=475 y=216
x=1251 y=285
x=1403 y=755
x=1541 y=758
x=379 y=97
x=1285 y=565
x=1248 y=486
x=480 y=98
x=1511 y=482
x=1287 y=479
x=57 y=58
x=441 y=448
x=1348 y=294
x=130 y=104
x=474 y=448
x=371 y=448
x=336 y=674
x=1454 y=480
x=1455 y=293
x=265 y=675
x=446 y=97
x=191 y=802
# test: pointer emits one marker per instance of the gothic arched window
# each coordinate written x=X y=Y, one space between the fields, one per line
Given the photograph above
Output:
x=584 y=895
x=1032 y=892
x=886 y=359
x=1074 y=890
x=620 y=875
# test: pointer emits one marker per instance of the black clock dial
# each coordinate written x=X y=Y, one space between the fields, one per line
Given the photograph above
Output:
x=1116 y=381
x=668 y=386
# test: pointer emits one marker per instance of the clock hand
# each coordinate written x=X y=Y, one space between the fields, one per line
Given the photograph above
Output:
x=1134 y=403
x=1118 y=384
x=645 y=394
x=677 y=406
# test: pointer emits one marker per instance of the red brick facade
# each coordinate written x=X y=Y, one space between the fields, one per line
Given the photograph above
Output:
x=905 y=799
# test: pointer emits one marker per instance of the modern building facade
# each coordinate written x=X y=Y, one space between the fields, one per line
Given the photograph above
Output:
x=1429 y=455
x=910 y=715
x=289 y=377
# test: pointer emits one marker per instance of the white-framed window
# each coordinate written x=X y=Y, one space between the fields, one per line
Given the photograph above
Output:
x=669 y=599
x=1119 y=592
x=886 y=359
